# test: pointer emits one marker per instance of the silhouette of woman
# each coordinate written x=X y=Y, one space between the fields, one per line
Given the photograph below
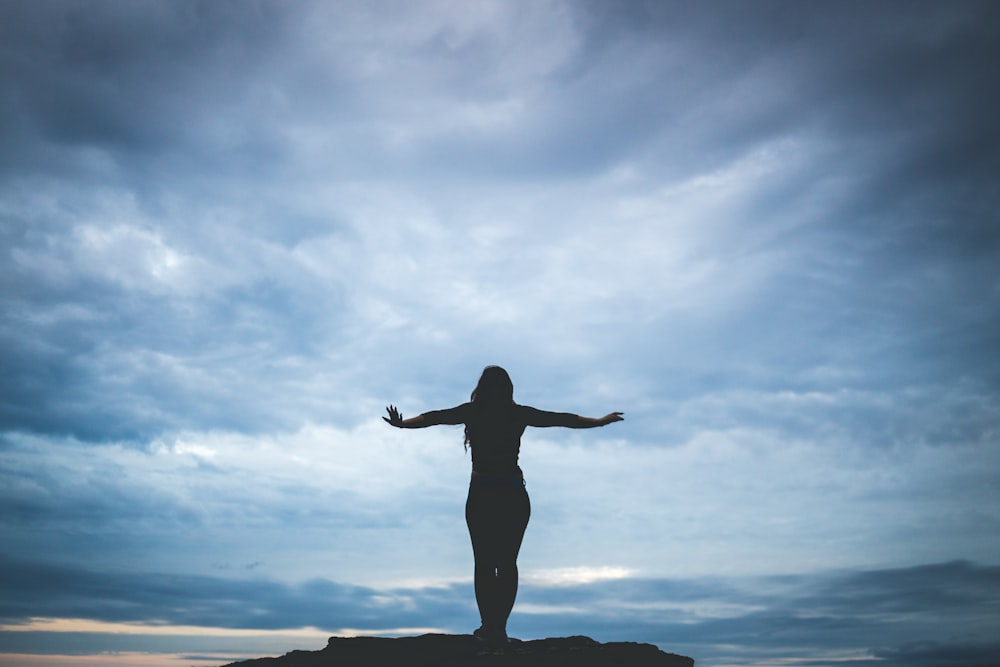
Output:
x=497 y=508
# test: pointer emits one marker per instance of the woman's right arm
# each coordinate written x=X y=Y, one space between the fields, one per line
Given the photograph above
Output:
x=454 y=415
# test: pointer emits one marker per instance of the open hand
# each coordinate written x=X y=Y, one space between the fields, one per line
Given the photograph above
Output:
x=612 y=417
x=394 y=418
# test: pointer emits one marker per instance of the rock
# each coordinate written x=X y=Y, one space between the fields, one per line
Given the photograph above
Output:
x=466 y=651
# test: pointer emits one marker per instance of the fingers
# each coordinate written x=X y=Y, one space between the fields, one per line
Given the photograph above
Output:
x=614 y=417
x=394 y=418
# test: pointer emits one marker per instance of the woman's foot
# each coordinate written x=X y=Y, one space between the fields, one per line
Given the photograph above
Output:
x=490 y=635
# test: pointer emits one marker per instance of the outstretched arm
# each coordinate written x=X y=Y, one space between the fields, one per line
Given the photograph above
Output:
x=545 y=418
x=433 y=418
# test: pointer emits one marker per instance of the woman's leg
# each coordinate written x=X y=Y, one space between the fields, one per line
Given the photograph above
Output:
x=514 y=523
x=497 y=519
x=478 y=520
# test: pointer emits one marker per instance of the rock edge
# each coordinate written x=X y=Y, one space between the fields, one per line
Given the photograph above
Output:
x=437 y=650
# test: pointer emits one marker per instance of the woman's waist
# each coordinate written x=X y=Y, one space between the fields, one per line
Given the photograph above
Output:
x=497 y=468
x=497 y=477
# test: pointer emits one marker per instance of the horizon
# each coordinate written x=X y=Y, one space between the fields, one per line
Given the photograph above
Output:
x=233 y=233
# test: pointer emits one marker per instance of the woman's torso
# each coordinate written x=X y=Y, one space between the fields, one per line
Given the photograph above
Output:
x=495 y=438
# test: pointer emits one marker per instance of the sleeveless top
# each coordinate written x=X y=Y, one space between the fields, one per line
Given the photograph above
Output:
x=495 y=434
x=495 y=439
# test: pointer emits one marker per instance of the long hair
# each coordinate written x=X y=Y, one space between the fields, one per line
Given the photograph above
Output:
x=493 y=395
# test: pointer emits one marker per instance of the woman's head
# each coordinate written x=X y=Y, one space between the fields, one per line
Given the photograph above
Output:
x=494 y=388
x=492 y=394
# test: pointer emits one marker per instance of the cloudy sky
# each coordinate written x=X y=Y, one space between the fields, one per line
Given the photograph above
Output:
x=232 y=232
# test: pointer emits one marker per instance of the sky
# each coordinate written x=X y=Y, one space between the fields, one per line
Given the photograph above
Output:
x=233 y=232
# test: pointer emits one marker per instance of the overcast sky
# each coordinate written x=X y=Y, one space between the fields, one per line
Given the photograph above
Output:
x=232 y=232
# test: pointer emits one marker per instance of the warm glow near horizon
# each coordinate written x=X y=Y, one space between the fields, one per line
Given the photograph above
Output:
x=116 y=659
x=90 y=625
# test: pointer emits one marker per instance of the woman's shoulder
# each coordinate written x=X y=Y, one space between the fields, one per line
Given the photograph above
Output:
x=455 y=415
x=525 y=412
x=463 y=410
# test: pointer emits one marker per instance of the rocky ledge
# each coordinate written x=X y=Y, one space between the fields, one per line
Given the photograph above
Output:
x=467 y=651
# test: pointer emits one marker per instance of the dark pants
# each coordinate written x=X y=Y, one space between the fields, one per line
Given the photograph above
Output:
x=497 y=513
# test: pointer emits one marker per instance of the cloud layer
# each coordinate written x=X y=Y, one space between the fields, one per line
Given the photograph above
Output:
x=828 y=618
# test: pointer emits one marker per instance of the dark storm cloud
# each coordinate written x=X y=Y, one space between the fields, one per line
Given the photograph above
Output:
x=905 y=90
x=817 y=618
x=121 y=76
x=913 y=85
x=40 y=590
x=194 y=101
